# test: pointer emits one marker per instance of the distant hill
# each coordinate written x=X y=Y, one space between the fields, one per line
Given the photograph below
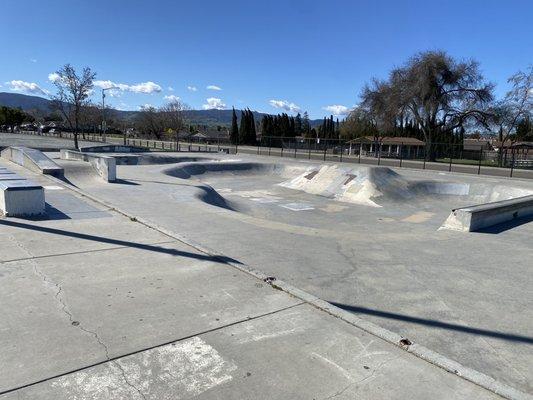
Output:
x=24 y=102
x=200 y=117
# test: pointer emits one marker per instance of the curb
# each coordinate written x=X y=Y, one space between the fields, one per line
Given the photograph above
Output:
x=451 y=366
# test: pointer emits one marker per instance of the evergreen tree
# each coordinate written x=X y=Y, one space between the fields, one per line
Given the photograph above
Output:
x=243 y=129
x=298 y=125
x=234 y=133
x=306 y=125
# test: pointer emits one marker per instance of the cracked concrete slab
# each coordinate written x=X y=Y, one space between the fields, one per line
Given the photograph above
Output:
x=264 y=359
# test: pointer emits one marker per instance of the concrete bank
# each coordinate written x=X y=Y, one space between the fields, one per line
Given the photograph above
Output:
x=105 y=166
x=32 y=159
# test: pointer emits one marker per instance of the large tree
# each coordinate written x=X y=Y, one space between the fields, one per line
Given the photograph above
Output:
x=516 y=107
x=72 y=95
x=438 y=93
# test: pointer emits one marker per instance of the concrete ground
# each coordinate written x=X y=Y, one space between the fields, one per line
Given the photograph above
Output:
x=463 y=295
x=95 y=305
x=39 y=142
x=466 y=296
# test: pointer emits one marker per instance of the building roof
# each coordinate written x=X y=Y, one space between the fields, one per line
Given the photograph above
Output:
x=476 y=144
x=388 y=140
x=511 y=144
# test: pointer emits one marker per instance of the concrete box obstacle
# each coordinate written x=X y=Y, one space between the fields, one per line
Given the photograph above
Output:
x=20 y=197
x=474 y=218
x=105 y=166
x=32 y=159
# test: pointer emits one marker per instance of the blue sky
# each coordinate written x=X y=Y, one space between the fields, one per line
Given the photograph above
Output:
x=270 y=56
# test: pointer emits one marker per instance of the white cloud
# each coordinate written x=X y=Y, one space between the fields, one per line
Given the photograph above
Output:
x=285 y=105
x=172 y=98
x=170 y=89
x=27 y=87
x=192 y=88
x=213 y=87
x=144 y=87
x=337 y=109
x=53 y=77
x=214 y=104
x=33 y=60
x=147 y=105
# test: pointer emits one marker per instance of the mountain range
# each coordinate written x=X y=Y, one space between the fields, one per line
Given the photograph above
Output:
x=196 y=117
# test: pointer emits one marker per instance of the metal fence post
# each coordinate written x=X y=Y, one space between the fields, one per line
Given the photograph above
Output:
x=512 y=163
x=425 y=156
x=342 y=150
x=401 y=153
x=325 y=149
x=479 y=165
x=269 y=144
x=379 y=153
x=309 y=148
x=360 y=150
x=295 y=147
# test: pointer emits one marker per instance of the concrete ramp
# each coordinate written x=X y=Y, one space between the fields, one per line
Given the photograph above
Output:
x=475 y=218
x=360 y=185
x=32 y=159
x=103 y=165
x=230 y=167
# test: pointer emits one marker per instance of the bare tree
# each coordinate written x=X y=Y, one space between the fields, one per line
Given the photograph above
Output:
x=173 y=118
x=156 y=122
x=432 y=89
x=514 y=107
x=149 y=122
x=72 y=95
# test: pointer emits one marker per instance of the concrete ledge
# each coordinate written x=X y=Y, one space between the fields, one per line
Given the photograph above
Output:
x=474 y=218
x=32 y=159
x=105 y=166
x=112 y=148
x=21 y=198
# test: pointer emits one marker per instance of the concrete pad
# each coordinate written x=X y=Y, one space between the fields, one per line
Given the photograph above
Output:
x=67 y=311
x=298 y=353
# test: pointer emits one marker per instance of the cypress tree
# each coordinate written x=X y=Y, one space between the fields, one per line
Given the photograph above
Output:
x=243 y=129
x=234 y=133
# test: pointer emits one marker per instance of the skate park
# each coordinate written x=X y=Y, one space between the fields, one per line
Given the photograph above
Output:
x=374 y=243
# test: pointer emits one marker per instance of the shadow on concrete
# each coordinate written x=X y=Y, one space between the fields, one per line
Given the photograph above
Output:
x=435 y=324
x=50 y=214
x=124 y=182
x=208 y=194
x=117 y=242
x=505 y=226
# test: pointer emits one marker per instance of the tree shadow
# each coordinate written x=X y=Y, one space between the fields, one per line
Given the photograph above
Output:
x=118 y=242
x=435 y=323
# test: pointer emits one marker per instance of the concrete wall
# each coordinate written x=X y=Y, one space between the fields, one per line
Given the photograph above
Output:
x=112 y=148
x=32 y=159
x=105 y=166
x=469 y=219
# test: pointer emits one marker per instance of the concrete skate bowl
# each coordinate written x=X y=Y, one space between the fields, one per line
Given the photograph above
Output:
x=154 y=159
x=231 y=168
